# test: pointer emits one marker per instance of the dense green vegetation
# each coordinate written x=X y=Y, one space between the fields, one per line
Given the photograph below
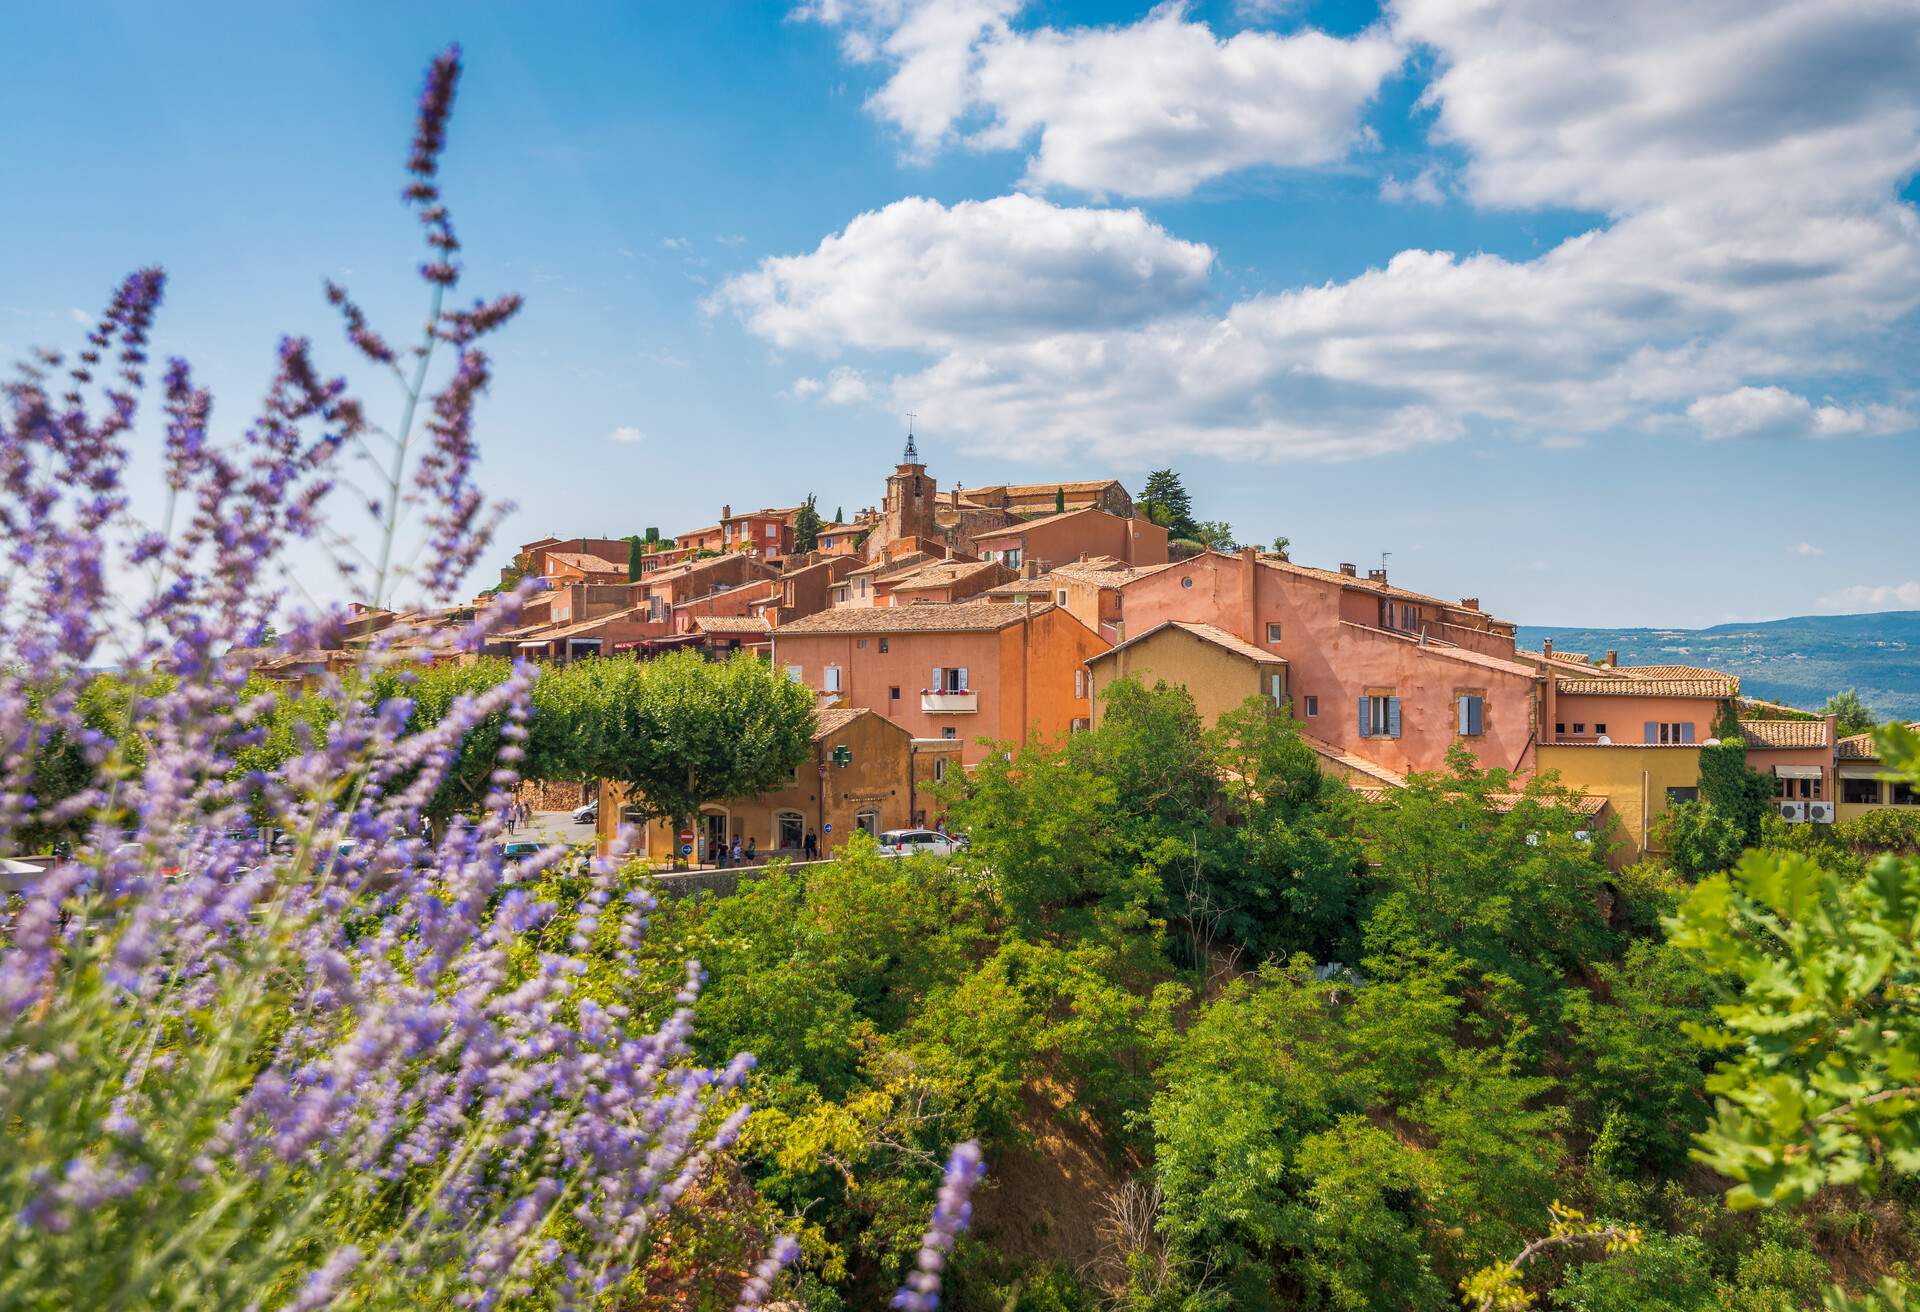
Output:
x=1235 y=1038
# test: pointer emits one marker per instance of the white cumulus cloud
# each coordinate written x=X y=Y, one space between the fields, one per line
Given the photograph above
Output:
x=626 y=433
x=919 y=273
x=1151 y=108
x=1776 y=412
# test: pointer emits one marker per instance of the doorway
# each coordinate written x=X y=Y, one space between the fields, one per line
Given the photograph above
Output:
x=713 y=834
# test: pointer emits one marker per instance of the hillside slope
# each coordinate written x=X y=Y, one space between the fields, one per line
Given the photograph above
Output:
x=1799 y=661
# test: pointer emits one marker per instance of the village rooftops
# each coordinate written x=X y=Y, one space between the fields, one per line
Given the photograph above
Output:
x=957 y=617
x=939 y=573
x=1649 y=681
x=1100 y=571
x=1018 y=527
x=591 y=564
x=743 y=625
x=1448 y=651
x=1860 y=747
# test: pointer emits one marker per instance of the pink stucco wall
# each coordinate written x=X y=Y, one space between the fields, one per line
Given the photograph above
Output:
x=1626 y=717
x=1337 y=660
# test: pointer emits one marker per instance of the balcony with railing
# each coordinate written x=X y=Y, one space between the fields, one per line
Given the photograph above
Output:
x=952 y=701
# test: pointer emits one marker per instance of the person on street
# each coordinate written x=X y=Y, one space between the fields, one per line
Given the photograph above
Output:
x=811 y=851
x=753 y=850
x=736 y=850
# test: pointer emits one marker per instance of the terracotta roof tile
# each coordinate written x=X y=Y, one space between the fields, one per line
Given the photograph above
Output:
x=1722 y=685
x=960 y=617
x=1784 y=733
x=940 y=573
x=583 y=561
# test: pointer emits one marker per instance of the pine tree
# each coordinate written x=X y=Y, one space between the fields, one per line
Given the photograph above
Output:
x=806 y=526
x=1164 y=500
x=839 y=515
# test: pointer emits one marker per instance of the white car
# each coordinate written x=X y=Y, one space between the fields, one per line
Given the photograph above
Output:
x=919 y=842
x=588 y=814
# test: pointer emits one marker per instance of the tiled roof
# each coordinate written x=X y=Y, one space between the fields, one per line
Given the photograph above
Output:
x=1078 y=572
x=1206 y=633
x=591 y=564
x=940 y=573
x=1859 y=746
x=568 y=629
x=1719 y=685
x=1358 y=764
x=1360 y=582
x=1784 y=733
x=1671 y=672
x=747 y=624
x=832 y=719
x=907 y=561
x=960 y=617
x=1032 y=489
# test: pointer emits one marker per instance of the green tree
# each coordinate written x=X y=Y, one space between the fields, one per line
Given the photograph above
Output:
x=1214 y=534
x=1700 y=839
x=839 y=514
x=1741 y=794
x=1281 y=543
x=1854 y=715
x=1059 y=501
x=1165 y=501
x=679 y=731
x=806 y=526
x=635 y=550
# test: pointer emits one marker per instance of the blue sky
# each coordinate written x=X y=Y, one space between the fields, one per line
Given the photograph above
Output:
x=1602 y=322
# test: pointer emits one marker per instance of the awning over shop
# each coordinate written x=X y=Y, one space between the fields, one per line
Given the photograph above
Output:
x=1799 y=771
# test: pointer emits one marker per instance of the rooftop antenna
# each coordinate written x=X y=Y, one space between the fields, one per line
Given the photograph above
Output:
x=1384 y=557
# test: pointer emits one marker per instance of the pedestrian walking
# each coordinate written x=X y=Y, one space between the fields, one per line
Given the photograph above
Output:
x=812 y=849
x=753 y=850
x=736 y=849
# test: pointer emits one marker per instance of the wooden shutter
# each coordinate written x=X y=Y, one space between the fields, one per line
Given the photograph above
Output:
x=1363 y=717
x=1477 y=719
x=1466 y=717
x=939 y=683
x=963 y=679
x=1393 y=717
x=1653 y=732
x=1686 y=732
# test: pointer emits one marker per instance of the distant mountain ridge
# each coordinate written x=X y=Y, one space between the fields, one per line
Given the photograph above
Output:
x=1799 y=662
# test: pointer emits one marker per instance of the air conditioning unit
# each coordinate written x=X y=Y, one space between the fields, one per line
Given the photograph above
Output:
x=1821 y=813
x=1794 y=813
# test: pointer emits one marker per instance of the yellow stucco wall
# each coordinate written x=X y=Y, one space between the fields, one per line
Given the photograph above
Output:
x=1633 y=778
x=1219 y=680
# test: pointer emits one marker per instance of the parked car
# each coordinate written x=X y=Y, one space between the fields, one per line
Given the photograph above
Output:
x=588 y=814
x=519 y=848
x=919 y=842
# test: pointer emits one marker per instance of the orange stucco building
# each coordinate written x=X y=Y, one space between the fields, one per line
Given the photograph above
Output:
x=969 y=671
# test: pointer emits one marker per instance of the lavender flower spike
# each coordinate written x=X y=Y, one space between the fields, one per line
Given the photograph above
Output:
x=951 y=1213
x=753 y=1295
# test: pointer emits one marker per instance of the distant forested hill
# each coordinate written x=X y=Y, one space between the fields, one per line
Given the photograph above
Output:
x=1799 y=662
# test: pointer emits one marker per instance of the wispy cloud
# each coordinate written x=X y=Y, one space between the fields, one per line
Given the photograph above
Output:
x=1875 y=596
x=626 y=433
x=1808 y=549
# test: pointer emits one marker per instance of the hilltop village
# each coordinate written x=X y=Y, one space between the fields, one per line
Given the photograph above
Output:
x=943 y=622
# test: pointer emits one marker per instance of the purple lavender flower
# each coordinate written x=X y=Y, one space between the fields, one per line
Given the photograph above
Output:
x=965 y=1168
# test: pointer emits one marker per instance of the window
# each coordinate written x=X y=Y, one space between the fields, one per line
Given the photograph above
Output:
x=949 y=732
x=790 y=829
x=1669 y=732
x=1186 y=582
x=893 y=693
x=1060 y=596
x=831 y=680
x=1473 y=715
x=773 y=531
x=939 y=769
x=863 y=587
x=1600 y=729
x=797 y=673
x=867 y=822
x=1277 y=689
x=1579 y=729
x=826 y=543
x=1273 y=631
x=861 y=643
x=1079 y=683
x=1902 y=794
x=1682 y=794
x=1861 y=792
x=949 y=679
x=1379 y=717
x=1559 y=731
x=883 y=646
x=841 y=594
x=1313 y=706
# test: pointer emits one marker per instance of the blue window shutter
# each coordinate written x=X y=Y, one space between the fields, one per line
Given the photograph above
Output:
x=1466 y=715
x=1686 y=732
x=1393 y=717
x=1653 y=732
x=1363 y=717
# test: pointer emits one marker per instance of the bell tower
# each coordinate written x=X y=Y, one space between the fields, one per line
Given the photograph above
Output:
x=907 y=511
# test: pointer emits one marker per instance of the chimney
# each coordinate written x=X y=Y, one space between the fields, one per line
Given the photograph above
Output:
x=1376 y=576
x=1546 y=648
x=726 y=512
x=1613 y=658
x=1030 y=568
x=1349 y=569
x=1469 y=603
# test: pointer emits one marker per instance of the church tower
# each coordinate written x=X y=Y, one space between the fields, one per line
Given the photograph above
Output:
x=907 y=511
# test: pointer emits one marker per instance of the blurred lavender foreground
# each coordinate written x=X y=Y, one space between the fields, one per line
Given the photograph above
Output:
x=326 y=1072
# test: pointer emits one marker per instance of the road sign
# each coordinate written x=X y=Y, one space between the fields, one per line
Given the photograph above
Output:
x=828 y=828
x=686 y=849
x=686 y=835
